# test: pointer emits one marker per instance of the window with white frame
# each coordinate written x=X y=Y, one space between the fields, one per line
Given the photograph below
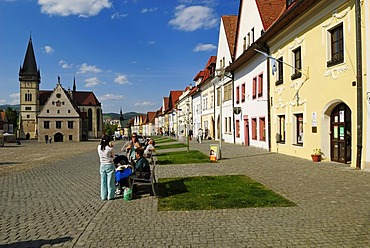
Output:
x=262 y=128
x=243 y=92
x=297 y=63
x=298 y=129
x=260 y=85
x=336 y=45
x=237 y=94
x=229 y=130
x=281 y=129
x=280 y=71
x=254 y=128
x=227 y=91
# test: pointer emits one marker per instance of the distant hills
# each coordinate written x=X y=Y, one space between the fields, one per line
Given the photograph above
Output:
x=14 y=107
x=112 y=116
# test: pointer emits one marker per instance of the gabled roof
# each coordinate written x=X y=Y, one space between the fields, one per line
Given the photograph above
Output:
x=208 y=70
x=144 y=119
x=85 y=98
x=165 y=104
x=230 y=24
x=270 y=10
x=174 y=97
x=284 y=19
x=151 y=117
x=80 y=98
x=3 y=116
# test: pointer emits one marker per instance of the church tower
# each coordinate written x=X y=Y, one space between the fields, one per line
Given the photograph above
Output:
x=29 y=78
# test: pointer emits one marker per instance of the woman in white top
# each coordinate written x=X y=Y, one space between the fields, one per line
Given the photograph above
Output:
x=107 y=169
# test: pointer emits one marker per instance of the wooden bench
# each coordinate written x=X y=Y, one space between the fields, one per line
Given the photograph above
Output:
x=151 y=181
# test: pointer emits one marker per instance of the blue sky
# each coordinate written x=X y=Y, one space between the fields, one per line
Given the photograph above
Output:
x=130 y=53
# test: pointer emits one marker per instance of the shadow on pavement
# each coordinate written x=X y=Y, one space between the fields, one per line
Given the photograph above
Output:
x=37 y=243
x=173 y=187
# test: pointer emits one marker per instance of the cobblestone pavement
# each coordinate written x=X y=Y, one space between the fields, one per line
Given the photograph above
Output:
x=58 y=204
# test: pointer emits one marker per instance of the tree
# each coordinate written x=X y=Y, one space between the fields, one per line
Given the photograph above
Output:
x=109 y=129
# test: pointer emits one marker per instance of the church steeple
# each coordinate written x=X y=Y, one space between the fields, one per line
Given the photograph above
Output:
x=120 y=115
x=29 y=71
x=74 y=85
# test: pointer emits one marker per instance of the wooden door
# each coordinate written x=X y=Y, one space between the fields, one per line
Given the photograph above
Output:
x=340 y=121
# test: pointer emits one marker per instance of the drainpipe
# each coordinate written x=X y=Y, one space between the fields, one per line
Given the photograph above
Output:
x=233 y=105
x=359 y=83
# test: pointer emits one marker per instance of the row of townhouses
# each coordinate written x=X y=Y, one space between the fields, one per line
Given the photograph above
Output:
x=289 y=76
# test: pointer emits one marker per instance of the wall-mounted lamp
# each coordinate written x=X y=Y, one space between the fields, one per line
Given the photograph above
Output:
x=220 y=73
x=368 y=97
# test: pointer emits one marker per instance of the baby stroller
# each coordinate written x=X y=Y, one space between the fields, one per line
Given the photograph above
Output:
x=122 y=173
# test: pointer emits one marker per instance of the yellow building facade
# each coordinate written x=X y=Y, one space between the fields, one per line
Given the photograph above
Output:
x=313 y=85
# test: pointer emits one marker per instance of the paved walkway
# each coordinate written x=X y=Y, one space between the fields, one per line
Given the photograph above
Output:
x=58 y=205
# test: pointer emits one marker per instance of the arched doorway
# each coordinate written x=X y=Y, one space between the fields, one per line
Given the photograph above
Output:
x=58 y=137
x=340 y=134
x=28 y=136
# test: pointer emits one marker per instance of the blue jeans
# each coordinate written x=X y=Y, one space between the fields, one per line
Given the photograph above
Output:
x=107 y=181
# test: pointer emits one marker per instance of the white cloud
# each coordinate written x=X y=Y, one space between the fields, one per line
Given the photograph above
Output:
x=91 y=82
x=204 y=47
x=64 y=64
x=48 y=49
x=152 y=42
x=121 y=79
x=118 y=15
x=15 y=101
x=144 y=104
x=146 y=10
x=82 y=8
x=85 y=68
x=14 y=95
x=193 y=17
x=111 y=97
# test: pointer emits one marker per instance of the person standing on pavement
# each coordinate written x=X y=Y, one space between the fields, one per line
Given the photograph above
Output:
x=200 y=135
x=107 y=169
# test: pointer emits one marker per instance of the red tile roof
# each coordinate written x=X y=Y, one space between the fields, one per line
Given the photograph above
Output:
x=209 y=69
x=270 y=10
x=80 y=98
x=174 y=97
x=230 y=25
x=165 y=103
x=199 y=74
x=151 y=117
x=3 y=116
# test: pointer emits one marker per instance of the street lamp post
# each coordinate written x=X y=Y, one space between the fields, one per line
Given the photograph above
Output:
x=220 y=73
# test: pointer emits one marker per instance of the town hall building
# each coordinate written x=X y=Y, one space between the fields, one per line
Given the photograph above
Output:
x=59 y=114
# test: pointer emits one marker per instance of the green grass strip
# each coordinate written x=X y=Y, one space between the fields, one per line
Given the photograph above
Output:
x=182 y=157
x=177 y=145
x=216 y=192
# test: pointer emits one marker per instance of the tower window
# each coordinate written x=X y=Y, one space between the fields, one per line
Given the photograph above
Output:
x=28 y=97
